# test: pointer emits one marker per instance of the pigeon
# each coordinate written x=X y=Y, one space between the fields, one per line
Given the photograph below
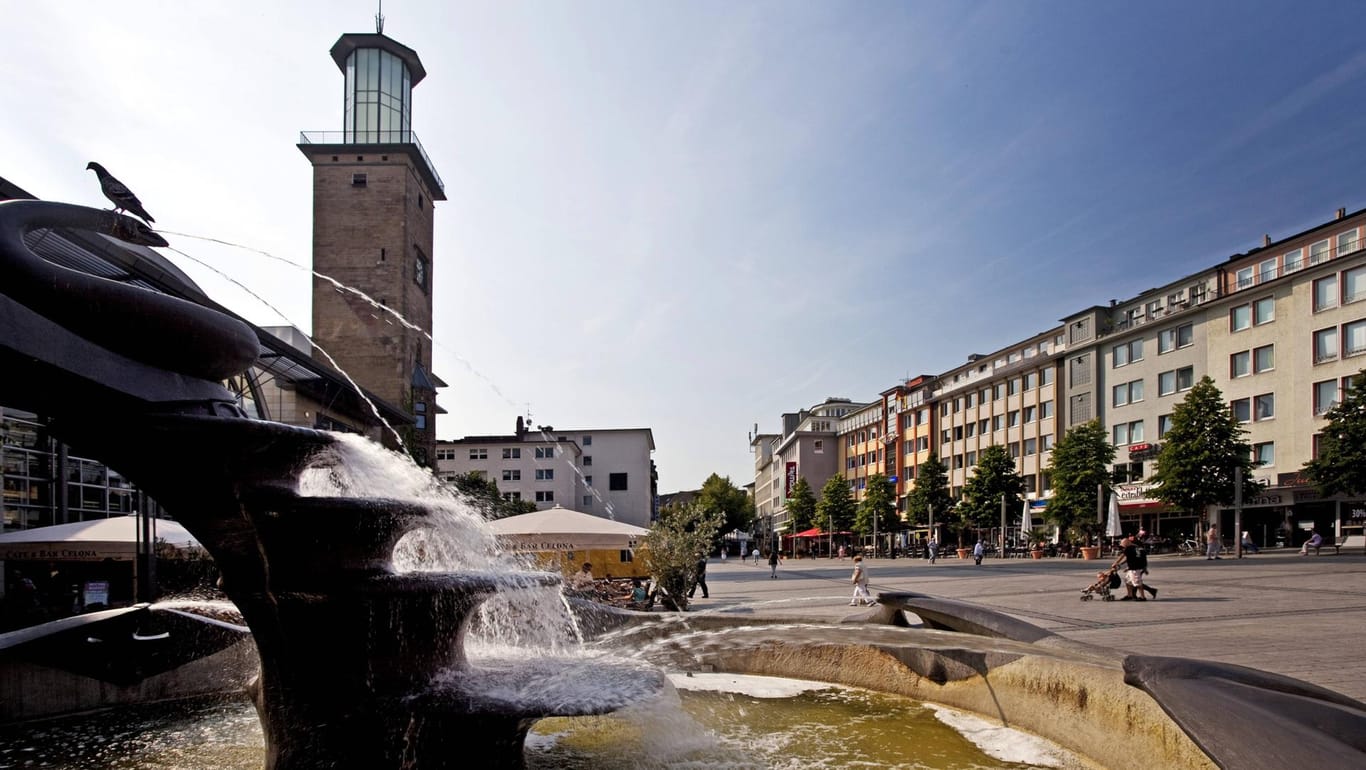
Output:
x=122 y=198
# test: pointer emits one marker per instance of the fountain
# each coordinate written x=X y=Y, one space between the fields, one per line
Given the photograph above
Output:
x=361 y=666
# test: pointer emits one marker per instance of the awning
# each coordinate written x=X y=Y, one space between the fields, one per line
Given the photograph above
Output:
x=95 y=540
x=562 y=529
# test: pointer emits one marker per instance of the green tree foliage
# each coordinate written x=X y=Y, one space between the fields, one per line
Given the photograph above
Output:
x=878 y=504
x=483 y=494
x=673 y=546
x=1195 y=468
x=994 y=476
x=736 y=507
x=931 y=489
x=836 y=507
x=1080 y=461
x=801 y=506
x=1340 y=467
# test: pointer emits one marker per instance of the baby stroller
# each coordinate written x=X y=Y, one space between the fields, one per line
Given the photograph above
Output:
x=1105 y=582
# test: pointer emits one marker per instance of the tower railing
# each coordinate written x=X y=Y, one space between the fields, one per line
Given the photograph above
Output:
x=396 y=136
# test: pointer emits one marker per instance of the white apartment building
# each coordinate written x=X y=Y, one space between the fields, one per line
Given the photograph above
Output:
x=807 y=448
x=607 y=472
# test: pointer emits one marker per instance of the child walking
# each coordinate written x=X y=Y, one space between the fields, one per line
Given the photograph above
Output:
x=860 y=581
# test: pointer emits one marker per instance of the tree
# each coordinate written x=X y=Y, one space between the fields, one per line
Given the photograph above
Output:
x=673 y=546
x=994 y=476
x=836 y=507
x=801 y=506
x=878 y=505
x=1195 y=467
x=931 y=489
x=1340 y=467
x=482 y=493
x=1081 y=461
x=734 y=505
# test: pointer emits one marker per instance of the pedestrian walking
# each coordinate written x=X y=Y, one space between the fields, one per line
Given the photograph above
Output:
x=1212 y=543
x=860 y=581
x=1134 y=557
x=977 y=551
x=700 y=577
x=756 y=555
x=933 y=550
x=773 y=564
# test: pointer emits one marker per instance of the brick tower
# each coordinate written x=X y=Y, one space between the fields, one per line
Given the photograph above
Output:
x=374 y=190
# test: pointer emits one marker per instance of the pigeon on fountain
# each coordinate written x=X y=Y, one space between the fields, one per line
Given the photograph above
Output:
x=122 y=198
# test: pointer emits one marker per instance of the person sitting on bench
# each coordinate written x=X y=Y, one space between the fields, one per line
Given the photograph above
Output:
x=1315 y=540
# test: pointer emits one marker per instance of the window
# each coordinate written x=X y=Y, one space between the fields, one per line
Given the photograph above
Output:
x=1266 y=270
x=944 y=409
x=1242 y=410
x=1046 y=376
x=1127 y=393
x=1031 y=381
x=1179 y=337
x=1318 y=252
x=587 y=502
x=512 y=475
x=945 y=436
x=1294 y=260
x=588 y=441
x=512 y=453
x=1354 y=338
x=1164 y=424
x=998 y=391
x=983 y=396
x=359 y=180
x=982 y=426
x=1127 y=353
x=1354 y=284
x=1175 y=380
x=817 y=446
x=479 y=454
x=588 y=459
x=1347 y=242
x=970 y=429
x=1264 y=311
x=967 y=401
x=970 y=459
x=545 y=496
x=1239 y=318
x=1264 y=407
x=1030 y=413
x=545 y=474
x=514 y=496
x=1326 y=345
x=1013 y=386
x=445 y=454
x=1263 y=359
x=616 y=482
x=1045 y=410
x=545 y=453
x=1031 y=447
x=998 y=422
x=957 y=405
x=1264 y=454
x=1128 y=433
x=1014 y=419
x=1240 y=364
x=958 y=433
x=1325 y=293
x=1245 y=278
x=1325 y=396
x=1046 y=442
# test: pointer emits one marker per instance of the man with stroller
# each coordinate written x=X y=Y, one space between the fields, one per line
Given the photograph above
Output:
x=1135 y=560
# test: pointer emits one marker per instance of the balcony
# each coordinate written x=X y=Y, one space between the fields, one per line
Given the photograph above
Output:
x=363 y=138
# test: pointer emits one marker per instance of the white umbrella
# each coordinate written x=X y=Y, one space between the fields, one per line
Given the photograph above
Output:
x=1026 y=521
x=1112 y=528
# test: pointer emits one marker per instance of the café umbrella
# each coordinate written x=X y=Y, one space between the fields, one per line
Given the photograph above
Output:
x=1112 y=527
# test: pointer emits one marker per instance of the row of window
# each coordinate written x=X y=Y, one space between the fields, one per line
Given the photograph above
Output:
x=1168 y=340
x=1012 y=419
x=509 y=453
x=1342 y=288
x=1014 y=386
x=1293 y=260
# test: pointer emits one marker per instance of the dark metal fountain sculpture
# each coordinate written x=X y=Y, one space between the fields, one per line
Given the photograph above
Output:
x=349 y=649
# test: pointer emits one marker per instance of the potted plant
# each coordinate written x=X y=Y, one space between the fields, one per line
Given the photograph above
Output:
x=1087 y=531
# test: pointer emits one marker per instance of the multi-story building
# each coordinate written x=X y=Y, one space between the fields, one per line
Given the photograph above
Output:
x=607 y=472
x=908 y=405
x=807 y=448
x=1008 y=398
x=863 y=448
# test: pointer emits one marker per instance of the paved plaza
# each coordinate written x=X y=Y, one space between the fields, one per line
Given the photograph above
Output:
x=1275 y=611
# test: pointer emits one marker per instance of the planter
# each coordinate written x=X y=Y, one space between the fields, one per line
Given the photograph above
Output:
x=1090 y=552
x=1036 y=554
x=964 y=553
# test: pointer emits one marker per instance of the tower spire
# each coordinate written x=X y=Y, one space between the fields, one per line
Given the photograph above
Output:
x=379 y=19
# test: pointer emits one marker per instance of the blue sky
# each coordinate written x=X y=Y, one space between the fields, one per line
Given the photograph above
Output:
x=696 y=216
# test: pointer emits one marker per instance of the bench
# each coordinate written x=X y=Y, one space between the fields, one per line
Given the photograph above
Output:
x=1346 y=541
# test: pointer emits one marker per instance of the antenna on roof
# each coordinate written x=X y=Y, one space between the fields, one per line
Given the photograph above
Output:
x=379 y=18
